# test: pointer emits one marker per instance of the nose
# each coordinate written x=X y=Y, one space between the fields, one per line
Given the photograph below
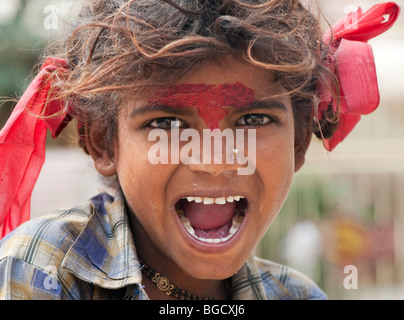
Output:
x=216 y=165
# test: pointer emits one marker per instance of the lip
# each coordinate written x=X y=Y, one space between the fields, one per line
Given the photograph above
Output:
x=205 y=247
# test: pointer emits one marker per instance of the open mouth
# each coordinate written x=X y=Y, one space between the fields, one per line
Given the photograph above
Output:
x=212 y=220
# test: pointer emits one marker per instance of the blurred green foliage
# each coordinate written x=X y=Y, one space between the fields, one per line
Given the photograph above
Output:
x=20 y=48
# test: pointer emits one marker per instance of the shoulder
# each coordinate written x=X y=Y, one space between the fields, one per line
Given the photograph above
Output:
x=277 y=277
x=34 y=250
x=55 y=231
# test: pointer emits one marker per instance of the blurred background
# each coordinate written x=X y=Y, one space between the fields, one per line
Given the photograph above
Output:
x=346 y=207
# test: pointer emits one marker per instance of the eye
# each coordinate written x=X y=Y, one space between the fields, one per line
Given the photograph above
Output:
x=166 y=123
x=255 y=120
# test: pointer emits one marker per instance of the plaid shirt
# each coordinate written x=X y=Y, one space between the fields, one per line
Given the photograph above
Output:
x=87 y=252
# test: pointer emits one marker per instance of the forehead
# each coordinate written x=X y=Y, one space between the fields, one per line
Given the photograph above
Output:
x=213 y=88
x=231 y=70
x=227 y=70
x=210 y=100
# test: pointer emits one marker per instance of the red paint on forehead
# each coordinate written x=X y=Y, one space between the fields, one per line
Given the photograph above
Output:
x=209 y=100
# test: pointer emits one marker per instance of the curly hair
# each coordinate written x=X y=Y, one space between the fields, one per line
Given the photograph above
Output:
x=121 y=47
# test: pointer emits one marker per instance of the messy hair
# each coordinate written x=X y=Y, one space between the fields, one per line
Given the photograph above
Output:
x=120 y=47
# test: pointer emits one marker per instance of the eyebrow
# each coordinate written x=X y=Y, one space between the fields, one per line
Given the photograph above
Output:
x=182 y=111
x=263 y=104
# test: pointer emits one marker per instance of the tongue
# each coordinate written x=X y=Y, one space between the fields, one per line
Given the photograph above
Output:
x=209 y=216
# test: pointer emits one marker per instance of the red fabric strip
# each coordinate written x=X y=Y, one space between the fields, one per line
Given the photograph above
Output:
x=22 y=145
x=351 y=60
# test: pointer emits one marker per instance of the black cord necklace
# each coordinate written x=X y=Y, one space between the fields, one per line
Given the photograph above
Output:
x=164 y=285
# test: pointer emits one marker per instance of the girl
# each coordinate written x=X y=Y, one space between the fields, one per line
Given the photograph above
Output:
x=259 y=70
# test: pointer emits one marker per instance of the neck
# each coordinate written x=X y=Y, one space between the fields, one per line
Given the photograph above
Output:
x=166 y=267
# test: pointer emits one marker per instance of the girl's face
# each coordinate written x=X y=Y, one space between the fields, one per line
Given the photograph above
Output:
x=164 y=200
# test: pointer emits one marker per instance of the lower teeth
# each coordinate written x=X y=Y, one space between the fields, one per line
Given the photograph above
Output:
x=236 y=223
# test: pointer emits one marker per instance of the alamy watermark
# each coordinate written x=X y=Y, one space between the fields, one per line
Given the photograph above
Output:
x=167 y=149
x=351 y=280
x=51 y=21
x=50 y=282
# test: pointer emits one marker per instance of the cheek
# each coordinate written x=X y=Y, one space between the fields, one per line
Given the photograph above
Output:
x=139 y=179
x=275 y=169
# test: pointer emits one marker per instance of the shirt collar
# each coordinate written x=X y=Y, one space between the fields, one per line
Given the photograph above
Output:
x=104 y=253
x=253 y=283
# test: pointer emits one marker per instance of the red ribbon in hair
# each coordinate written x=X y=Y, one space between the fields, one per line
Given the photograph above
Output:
x=351 y=60
x=22 y=143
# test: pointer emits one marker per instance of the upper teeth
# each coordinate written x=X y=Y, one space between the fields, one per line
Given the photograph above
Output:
x=221 y=200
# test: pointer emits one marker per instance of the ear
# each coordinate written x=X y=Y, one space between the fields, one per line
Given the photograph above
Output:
x=301 y=146
x=97 y=148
